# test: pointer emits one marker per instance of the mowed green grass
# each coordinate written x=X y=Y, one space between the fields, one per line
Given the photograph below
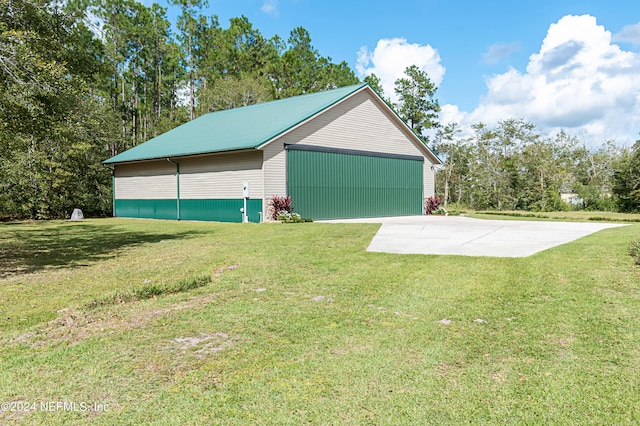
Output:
x=578 y=215
x=300 y=325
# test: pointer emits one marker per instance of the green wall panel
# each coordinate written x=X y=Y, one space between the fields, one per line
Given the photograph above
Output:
x=227 y=210
x=327 y=185
x=149 y=209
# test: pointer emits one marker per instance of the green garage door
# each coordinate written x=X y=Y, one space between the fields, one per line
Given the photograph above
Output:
x=327 y=183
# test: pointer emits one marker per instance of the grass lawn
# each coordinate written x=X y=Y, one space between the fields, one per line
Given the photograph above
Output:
x=298 y=324
x=578 y=215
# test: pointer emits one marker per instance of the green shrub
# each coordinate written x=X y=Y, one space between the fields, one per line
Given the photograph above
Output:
x=440 y=211
x=288 y=217
x=611 y=219
x=149 y=291
x=634 y=250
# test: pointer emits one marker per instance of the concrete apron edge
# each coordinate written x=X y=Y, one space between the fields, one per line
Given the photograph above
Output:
x=465 y=236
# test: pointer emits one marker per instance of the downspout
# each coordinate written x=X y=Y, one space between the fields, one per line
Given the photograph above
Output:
x=113 y=189
x=177 y=187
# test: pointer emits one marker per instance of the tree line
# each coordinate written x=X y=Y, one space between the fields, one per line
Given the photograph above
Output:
x=84 y=80
x=513 y=166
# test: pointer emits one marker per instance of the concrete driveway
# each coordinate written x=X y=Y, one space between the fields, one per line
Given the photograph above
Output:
x=472 y=237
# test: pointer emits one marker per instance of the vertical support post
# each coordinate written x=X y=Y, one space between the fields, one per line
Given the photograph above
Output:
x=113 y=194
x=245 y=217
x=177 y=188
x=245 y=196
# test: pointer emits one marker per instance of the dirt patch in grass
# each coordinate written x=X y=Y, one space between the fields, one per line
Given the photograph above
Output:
x=203 y=344
x=499 y=377
x=397 y=313
x=74 y=326
x=565 y=342
x=218 y=272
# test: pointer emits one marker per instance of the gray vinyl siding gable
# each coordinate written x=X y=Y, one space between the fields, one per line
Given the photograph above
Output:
x=355 y=123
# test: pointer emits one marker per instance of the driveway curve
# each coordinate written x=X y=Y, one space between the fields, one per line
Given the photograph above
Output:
x=459 y=235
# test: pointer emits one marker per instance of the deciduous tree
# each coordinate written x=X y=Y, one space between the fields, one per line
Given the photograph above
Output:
x=626 y=181
x=53 y=126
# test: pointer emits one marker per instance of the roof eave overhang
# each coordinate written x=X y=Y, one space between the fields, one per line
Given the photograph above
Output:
x=177 y=157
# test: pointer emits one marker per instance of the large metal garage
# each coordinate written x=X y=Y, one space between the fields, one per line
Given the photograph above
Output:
x=342 y=153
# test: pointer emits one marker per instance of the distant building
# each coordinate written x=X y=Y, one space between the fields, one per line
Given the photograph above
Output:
x=571 y=198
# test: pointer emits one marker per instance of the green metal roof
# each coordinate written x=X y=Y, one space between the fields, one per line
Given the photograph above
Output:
x=235 y=129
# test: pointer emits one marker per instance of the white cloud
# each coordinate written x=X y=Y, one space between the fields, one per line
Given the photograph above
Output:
x=499 y=51
x=451 y=114
x=392 y=56
x=578 y=81
x=270 y=7
x=629 y=34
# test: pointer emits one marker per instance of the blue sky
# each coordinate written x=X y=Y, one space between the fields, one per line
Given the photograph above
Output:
x=561 y=64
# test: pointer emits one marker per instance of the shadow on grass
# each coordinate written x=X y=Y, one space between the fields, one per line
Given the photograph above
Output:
x=25 y=248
